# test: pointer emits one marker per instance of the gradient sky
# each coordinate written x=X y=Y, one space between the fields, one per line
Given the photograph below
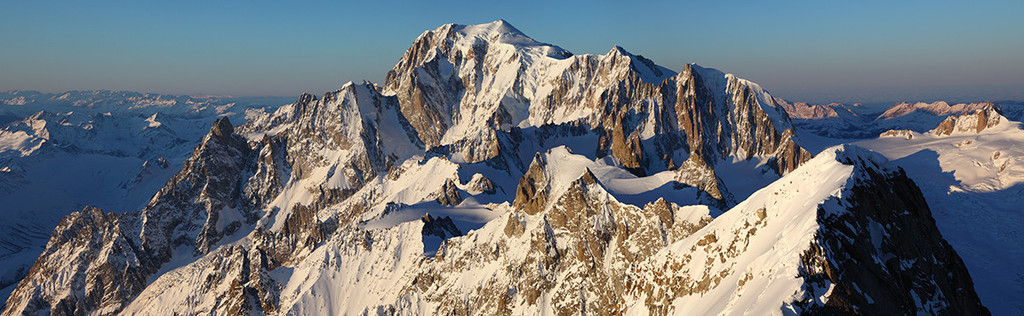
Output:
x=815 y=51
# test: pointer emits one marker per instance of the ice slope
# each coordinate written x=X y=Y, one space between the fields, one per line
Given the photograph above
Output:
x=786 y=212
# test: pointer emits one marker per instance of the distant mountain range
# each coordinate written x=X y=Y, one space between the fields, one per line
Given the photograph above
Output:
x=494 y=174
x=843 y=121
x=110 y=149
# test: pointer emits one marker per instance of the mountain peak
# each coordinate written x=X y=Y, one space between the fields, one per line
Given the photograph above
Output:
x=499 y=27
x=222 y=127
x=502 y=32
x=860 y=157
x=646 y=68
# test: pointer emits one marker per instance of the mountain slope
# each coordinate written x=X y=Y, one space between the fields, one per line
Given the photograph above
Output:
x=852 y=229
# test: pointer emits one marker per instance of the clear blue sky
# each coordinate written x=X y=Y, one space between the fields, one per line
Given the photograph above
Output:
x=816 y=51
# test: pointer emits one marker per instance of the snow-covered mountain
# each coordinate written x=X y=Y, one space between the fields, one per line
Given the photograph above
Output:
x=18 y=104
x=108 y=149
x=842 y=121
x=491 y=173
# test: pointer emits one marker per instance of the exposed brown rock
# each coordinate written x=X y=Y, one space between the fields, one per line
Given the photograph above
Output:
x=531 y=193
x=448 y=195
x=908 y=134
x=975 y=122
x=480 y=184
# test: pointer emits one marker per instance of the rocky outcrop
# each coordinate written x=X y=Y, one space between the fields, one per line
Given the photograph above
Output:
x=356 y=120
x=480 y=184
x=976 y=122
x=448 y=195
x=187 y=210
x=908 y=134
x=696 y=173
x=440 y=227
x=272 y=170
x=426 y=96
x=532 y=191
x=578 y=255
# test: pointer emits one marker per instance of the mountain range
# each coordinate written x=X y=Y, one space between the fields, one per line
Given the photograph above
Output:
x=494 y=174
